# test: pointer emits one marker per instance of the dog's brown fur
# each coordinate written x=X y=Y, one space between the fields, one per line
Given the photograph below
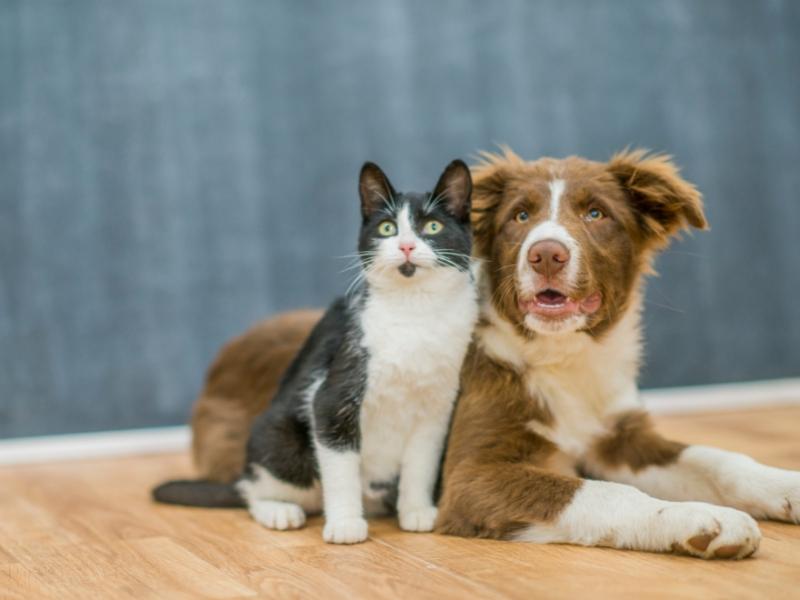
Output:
x=634 y=443
x=239 y=385
x=490 y=465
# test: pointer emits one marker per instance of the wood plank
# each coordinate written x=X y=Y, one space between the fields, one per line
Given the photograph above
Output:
x=89 y=529
x=17 y=583
x=369 y=570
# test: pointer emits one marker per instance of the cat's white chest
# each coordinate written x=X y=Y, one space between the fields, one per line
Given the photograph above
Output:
x=416 y=344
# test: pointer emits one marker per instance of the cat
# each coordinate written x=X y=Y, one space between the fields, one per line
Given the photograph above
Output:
x=358 y=424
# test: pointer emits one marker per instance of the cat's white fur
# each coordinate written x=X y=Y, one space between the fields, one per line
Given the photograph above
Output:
x=416 y=331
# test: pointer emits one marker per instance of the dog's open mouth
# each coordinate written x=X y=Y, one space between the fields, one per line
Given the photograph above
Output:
x=554 y=304
x=551 y=299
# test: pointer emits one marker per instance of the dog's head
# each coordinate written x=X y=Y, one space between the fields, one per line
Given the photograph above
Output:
x=566 y=241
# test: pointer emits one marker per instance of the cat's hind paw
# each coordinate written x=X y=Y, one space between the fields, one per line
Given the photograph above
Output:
x=418 y=519
x=345 y=531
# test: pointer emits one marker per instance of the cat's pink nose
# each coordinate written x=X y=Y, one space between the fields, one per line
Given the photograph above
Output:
x=407 y=248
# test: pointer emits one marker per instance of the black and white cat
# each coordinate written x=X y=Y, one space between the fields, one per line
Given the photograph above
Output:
x=359 y=423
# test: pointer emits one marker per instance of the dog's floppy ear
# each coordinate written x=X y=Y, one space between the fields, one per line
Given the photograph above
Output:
x=374 y=188
x=489 y=179
x=663 y=201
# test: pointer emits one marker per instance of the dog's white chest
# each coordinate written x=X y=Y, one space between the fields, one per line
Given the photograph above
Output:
x=580 y=380
x=579 y=407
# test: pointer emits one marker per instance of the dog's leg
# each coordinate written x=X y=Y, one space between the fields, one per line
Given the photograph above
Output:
x=524 y=503
x=636 y=455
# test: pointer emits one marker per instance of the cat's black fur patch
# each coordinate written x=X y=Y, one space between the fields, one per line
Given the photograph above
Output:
x=280 y=439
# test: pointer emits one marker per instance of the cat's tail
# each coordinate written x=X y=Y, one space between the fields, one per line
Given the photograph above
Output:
x=199 y=492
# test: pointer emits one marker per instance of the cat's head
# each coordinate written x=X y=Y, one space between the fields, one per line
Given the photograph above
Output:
x=408 y=237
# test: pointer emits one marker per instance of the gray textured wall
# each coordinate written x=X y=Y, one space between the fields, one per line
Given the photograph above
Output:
x=172 y=170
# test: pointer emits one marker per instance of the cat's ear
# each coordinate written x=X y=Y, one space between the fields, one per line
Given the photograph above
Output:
x=374 y=188
x=454 y=190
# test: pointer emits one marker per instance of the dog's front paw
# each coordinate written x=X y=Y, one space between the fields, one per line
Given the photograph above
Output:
x=777 y=495
x=791 y=506
x=710 y=531
x=349 y=530
x=418 y=519
x=739 y=481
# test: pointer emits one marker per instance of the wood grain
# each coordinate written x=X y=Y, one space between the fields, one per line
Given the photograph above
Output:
x=89 y=530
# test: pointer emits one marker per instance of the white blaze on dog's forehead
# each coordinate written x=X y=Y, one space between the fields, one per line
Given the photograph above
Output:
x=557 y=187
x=527 y=280
x=550 y=230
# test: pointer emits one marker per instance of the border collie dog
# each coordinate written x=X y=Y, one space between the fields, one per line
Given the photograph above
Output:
x=549 y=442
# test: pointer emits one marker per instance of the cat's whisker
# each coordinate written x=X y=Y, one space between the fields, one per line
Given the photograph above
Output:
x=447 y=251
x=351 y=267
x=360 y=277
x=358 y=254
x=452 y=263
x=454 y=254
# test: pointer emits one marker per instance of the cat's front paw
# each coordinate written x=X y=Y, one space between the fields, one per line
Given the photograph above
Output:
x=350 y=530
x=418 y=519
x=278 y=515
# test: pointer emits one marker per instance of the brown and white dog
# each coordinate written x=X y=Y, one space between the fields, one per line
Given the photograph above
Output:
x=549 y=391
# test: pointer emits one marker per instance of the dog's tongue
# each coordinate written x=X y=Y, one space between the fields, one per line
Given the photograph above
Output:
x=551 y=298
x=553 y=303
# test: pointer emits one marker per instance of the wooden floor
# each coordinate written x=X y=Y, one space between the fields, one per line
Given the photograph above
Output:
x=89 y=530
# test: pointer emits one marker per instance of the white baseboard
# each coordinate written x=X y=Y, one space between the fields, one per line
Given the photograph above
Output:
x=77 y=446
x=707 y=398
x=728 y=396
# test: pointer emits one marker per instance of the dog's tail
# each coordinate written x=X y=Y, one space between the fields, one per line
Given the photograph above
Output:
x=199 y=492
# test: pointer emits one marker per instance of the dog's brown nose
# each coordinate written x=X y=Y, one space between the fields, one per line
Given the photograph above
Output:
x=548 y=257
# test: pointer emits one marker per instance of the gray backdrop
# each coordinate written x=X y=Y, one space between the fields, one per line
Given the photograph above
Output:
x=171 y=171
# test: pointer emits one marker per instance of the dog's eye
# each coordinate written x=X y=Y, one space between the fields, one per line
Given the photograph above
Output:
x=593 y=214
x=521 y=216
x=387 y=228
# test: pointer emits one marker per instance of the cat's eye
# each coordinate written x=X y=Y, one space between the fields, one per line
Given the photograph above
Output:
x=522 y=216
x=593 y=214
x=432 y=227
x=387 y=228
